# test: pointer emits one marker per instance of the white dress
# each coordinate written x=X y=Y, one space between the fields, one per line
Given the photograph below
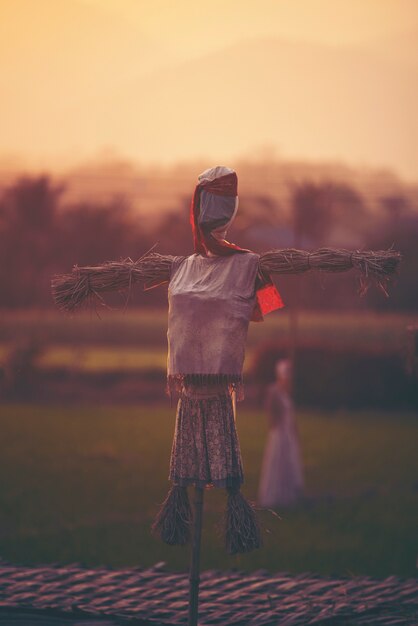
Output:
x=281 y=480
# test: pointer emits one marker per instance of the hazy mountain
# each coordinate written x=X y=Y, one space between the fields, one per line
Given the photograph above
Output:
x=53 y=54
x=310 y=101
x=401 y=48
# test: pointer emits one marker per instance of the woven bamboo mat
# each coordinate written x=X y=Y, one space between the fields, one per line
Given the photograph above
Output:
x=56 y=595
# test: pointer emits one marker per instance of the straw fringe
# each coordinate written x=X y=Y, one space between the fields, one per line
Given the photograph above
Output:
x=242 y=531
x=177 y=382
x=174 y=519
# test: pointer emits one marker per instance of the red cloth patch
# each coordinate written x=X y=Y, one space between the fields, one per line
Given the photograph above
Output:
x=269 y=299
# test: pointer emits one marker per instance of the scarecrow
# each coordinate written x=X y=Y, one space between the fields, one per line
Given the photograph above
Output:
x=213 y=295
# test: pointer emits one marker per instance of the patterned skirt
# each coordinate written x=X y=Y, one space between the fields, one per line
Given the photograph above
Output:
x=205 y=448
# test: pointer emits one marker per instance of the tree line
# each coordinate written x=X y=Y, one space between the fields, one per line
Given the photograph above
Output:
x=41 y=234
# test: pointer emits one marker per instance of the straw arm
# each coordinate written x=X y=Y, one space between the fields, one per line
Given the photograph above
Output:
x=292 y=261
x=373 y=266
x=84 y=284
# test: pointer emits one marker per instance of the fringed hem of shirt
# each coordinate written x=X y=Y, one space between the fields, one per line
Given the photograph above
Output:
x=230 y=482
x=178 y=383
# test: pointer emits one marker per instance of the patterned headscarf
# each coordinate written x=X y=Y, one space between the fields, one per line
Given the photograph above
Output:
x=214 y=204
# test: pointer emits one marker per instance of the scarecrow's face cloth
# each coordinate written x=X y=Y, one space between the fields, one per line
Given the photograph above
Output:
x=216 y=212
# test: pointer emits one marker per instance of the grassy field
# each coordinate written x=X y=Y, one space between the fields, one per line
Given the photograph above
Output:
x=137 y=340
x=97 y=358
x=84 y=484
x=148 y=327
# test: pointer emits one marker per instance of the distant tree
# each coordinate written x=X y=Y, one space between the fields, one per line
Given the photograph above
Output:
x=38 y=237
x=311 y=210
x=28 y=212
x=327 y=214
x=173 y=232
x=319 y=209
x=398 y=227
x=90 y=233
x=396 y=208
x=30 y=202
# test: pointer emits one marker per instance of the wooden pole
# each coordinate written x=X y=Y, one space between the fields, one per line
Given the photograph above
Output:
x=294 y=335
x=195 y=558
x=294 y=310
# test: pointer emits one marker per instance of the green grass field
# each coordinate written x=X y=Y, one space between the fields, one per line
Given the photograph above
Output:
x=82 y=485
x=137 y=339
x=148 y=327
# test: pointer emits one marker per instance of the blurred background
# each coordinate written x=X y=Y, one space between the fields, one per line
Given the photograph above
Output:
x=109 y=111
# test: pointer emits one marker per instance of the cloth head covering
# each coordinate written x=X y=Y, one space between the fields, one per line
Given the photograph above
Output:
x=213 y=209
x=283 y=368
x=214 y=205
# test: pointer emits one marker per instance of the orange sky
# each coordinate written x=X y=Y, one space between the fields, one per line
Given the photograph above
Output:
x=199 y=26
x=81 y=75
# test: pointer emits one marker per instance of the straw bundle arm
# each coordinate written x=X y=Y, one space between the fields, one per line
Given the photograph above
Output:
x=84 y=284
x=373 y=266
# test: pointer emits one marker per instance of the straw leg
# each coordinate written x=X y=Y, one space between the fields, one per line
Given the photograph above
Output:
x=195 y=558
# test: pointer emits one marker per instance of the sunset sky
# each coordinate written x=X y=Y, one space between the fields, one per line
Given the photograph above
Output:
x=195 y=27
x=158 y=81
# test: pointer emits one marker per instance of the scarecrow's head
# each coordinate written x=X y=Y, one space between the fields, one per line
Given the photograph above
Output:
x=214 y=206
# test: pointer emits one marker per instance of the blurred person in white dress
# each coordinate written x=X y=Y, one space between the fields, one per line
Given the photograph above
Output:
x=281 y=481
